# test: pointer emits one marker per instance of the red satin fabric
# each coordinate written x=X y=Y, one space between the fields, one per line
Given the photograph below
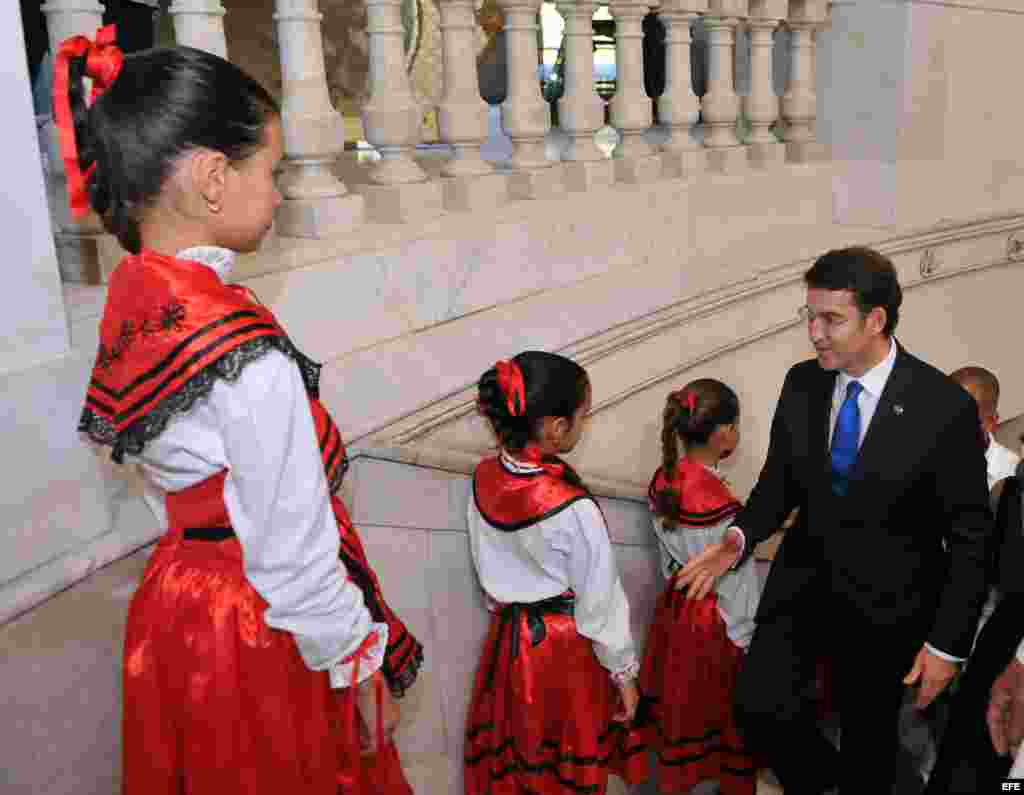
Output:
x=164 y=321
x=510 y=380
x=215 y=701
x=687 y=679
x=704 y=499
x=103 y=64
x=504 y=498
x=543 y=723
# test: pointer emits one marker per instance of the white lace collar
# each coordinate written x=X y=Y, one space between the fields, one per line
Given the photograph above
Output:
x=220 y=260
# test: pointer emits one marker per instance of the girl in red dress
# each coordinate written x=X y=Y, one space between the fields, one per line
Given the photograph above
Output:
x=695 y=647
x=260 y=656
x=556 y=687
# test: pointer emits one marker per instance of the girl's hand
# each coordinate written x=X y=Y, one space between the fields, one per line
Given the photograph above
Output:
x=629 y=697
x=366 y=699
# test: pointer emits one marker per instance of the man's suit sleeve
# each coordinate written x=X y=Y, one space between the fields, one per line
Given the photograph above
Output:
x=962 y=489
x=774 y=495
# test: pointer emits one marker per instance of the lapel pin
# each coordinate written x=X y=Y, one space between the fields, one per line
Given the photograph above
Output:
x=898 y=409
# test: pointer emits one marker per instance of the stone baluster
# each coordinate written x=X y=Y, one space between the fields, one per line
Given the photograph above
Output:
x=399 y=190
x=524 y=113
x=200 y=24
x=799 y=103
x=721 y=105
x=631 y=107
x=761 y=106
x=581 y=110
x=85 y=253
x=462 y=116
x=316 y=203
x=678 y=106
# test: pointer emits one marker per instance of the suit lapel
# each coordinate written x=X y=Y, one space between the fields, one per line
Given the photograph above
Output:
x=821 y=414
x=885 y=424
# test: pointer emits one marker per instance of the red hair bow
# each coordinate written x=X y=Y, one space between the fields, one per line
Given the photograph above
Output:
x=103 y=62
x=510 y=380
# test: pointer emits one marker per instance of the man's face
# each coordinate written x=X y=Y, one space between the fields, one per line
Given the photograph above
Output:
x=842 y=338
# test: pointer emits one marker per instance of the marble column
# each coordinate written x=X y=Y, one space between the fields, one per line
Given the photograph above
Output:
x=721 y=104
x=316 y=203
x=524 y=113
x=399 y=190
x=200 y=24
x=462 y=116
x=33 y=320
x=86 y=253
x=799 y=103
x=581 y=110
x=761 y=106
x=678 y=106
x=631 y=107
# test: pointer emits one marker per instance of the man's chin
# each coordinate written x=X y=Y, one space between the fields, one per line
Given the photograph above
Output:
x=827 y=360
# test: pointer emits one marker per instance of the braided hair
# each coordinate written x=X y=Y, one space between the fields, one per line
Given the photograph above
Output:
x=691 y=414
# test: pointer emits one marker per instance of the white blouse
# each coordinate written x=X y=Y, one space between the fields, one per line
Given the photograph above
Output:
x=261 y=430
x=571 y=549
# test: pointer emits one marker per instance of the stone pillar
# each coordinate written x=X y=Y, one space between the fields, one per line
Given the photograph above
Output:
x=678 y=106
x=462 y=116
x=631 y=107
x=761 y=106
x=200 y=24
x=399 y=190
x=524 y=113
x=799 y=103
x=86 y=251
x=721 y=105
x=33 y=322
x=316 y=203
x=581 y=110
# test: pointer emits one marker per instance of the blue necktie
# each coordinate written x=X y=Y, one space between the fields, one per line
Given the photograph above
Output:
x=845 y=439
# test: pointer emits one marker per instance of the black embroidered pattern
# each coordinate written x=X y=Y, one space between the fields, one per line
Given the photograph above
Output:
x=172 y=316
x=133 y=439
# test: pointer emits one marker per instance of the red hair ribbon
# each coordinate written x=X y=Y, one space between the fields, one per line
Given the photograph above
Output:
x=103 y=62
x=510 y=380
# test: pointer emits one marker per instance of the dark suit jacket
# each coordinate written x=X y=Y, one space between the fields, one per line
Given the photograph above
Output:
x=919 y=480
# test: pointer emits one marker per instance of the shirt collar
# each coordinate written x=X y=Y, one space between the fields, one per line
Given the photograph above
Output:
x=219 y=260
x=874 y=379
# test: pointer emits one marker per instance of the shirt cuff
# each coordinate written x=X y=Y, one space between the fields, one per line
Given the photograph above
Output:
x=370 y=656
x=942 y=655
x=743 y=545
x=1020 y=653
x=631 y=671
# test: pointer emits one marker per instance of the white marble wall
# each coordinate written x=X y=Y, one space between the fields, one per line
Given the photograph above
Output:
x=32 y=323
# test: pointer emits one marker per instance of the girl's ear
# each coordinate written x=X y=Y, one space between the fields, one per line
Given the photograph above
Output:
x=553 y=430
x=209 y=177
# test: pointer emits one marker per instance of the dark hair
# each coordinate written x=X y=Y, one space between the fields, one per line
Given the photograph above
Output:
x=555 y=387
x=714 y=404
x=869 y=275
x=986 y=382
x=163 y=103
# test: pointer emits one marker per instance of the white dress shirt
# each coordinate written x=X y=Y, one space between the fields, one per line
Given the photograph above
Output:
x=1001 y=462
x=260 y=429
x=568 y=550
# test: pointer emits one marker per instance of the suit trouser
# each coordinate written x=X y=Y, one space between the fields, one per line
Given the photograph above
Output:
x=967 y=763
x=775 y=711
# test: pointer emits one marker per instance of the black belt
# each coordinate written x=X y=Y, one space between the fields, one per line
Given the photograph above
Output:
x=562 y=604
x=208 y=533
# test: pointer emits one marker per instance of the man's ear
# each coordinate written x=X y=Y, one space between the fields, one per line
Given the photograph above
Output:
x=877 y=318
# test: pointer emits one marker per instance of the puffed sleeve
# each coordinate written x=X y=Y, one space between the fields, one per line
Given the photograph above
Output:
x=602 y=610
x=276 y=496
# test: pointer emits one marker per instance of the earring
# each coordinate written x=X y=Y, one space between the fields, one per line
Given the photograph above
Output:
x=213 y=207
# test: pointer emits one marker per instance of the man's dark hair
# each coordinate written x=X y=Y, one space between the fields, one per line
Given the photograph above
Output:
x=869 y=275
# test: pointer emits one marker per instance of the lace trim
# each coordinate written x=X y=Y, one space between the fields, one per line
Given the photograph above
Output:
x=133 y=439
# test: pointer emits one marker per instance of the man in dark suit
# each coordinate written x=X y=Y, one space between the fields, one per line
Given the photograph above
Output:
x=884 y=570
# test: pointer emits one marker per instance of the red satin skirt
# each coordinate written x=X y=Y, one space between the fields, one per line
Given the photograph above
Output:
x=687 y=679
x=541 y=716
x=215 y=701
